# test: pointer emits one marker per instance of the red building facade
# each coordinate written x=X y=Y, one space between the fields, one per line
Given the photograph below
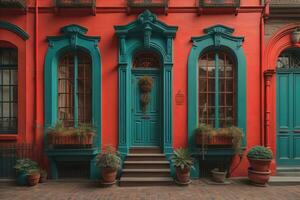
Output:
x=183 y=33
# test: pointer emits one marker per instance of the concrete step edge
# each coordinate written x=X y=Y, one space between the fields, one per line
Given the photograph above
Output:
x=146 y=170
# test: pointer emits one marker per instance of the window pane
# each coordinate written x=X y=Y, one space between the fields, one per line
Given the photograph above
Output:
x=8 y=90
x=289 y=59
x=146 y=59
x=208 y=90
x=66 y=89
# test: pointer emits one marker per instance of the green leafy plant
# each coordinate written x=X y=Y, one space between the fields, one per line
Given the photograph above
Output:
x=260 y=152
x=83 y=129
x=182 y=159
x=109 y=158
x=235 y=133
x=204 y=129
x=26 y=165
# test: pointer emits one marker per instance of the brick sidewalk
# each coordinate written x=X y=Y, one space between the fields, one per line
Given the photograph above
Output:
x=197 y=190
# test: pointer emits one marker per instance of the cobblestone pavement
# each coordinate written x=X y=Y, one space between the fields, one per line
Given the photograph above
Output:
x=81 y=190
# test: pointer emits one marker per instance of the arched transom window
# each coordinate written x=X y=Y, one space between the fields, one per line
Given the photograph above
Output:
x=217 y=89
x=289 y=59
x=146 y=59
x=74 y=89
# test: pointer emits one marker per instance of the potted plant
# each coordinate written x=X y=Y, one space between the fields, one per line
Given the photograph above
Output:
x=23 y=166
x=110 y=162
x=203 y=134
x=33 y=177
x=66 y=137
x=183 y=164
x=259 y=171
x=218 y=175
x=260 y=158
x=43 y=177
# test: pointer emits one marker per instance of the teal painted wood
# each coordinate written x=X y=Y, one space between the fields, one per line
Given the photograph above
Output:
x=217 y=91
x=139 y=35
x=75 y=91
x=288 y=117
x=216 y=37
x=14 y=28
x=145 y=33
x=146 y=126
x=73 y=38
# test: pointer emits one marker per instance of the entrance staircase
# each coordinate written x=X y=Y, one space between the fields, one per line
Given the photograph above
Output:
x=286 y=176
x=145 y=166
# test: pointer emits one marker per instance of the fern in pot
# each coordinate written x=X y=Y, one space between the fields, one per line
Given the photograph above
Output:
x=183 y=163
x=110 y=162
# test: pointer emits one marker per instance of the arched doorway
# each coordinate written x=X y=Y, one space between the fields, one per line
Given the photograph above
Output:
x=288 y=108
x=146 y=99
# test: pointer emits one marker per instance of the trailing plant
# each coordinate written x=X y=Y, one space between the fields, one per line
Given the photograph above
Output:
x=83 y=129
x=235 y=133
x=182 y=159
x=26 y=165
x=260 y=152
x=145 y=85
x=109 y=158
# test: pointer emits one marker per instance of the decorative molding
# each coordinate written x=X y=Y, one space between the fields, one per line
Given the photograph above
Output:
x=217 y=37
x=14 y=28
x=135 y=36
x=73 y=39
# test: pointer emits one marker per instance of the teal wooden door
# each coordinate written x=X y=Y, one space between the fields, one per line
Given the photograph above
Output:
x=288 y=118
x=146 y=125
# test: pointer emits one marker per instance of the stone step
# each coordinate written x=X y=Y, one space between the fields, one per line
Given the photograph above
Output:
x=146 y=173
x=162 y=164
x=145 y=150
x=146 y=181
x=288 y=171
x=284 y=180
x=146 y=157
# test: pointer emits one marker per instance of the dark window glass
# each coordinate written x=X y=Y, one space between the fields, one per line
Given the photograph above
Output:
x=289 y=59
x=146 y=59
x=71 y=99
x=217 y=89
x=8 y=90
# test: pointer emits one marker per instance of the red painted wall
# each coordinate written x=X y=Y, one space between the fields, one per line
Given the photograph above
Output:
x=182 y=13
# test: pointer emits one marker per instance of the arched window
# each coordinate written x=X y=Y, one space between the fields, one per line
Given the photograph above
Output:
x=74 y=89
x=217 y=89
x=8 y=89
x=146 y=59
x=289 y=59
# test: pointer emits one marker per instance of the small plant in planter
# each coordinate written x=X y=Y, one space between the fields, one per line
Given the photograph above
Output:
x=260 y=159
x=65 y=137
x=44 y=175
x=23 y=166
x=110 y=162
x=33 y=177
x=183 y=164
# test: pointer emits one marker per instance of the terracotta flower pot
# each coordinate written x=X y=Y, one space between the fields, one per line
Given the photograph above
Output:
x=58 y=140
x=182 y=176
x=108 y=175
x=258 y=178
x=218 y=176
x=33 y=179
x=262 y=165
x=213 y=140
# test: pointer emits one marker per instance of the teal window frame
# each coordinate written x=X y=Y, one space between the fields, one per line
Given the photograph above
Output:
x=217 y=37
x=73 y=39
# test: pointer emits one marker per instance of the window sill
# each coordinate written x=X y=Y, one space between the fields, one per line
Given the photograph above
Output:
x=8 y=136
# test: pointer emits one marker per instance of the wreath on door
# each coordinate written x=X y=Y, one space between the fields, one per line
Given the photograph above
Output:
x=145 y=86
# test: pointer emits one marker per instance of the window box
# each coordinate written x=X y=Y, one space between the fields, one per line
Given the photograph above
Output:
x=70 y=139
x=75 y=3
x=153 y=5
x=219 y=3
x=13 y=4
